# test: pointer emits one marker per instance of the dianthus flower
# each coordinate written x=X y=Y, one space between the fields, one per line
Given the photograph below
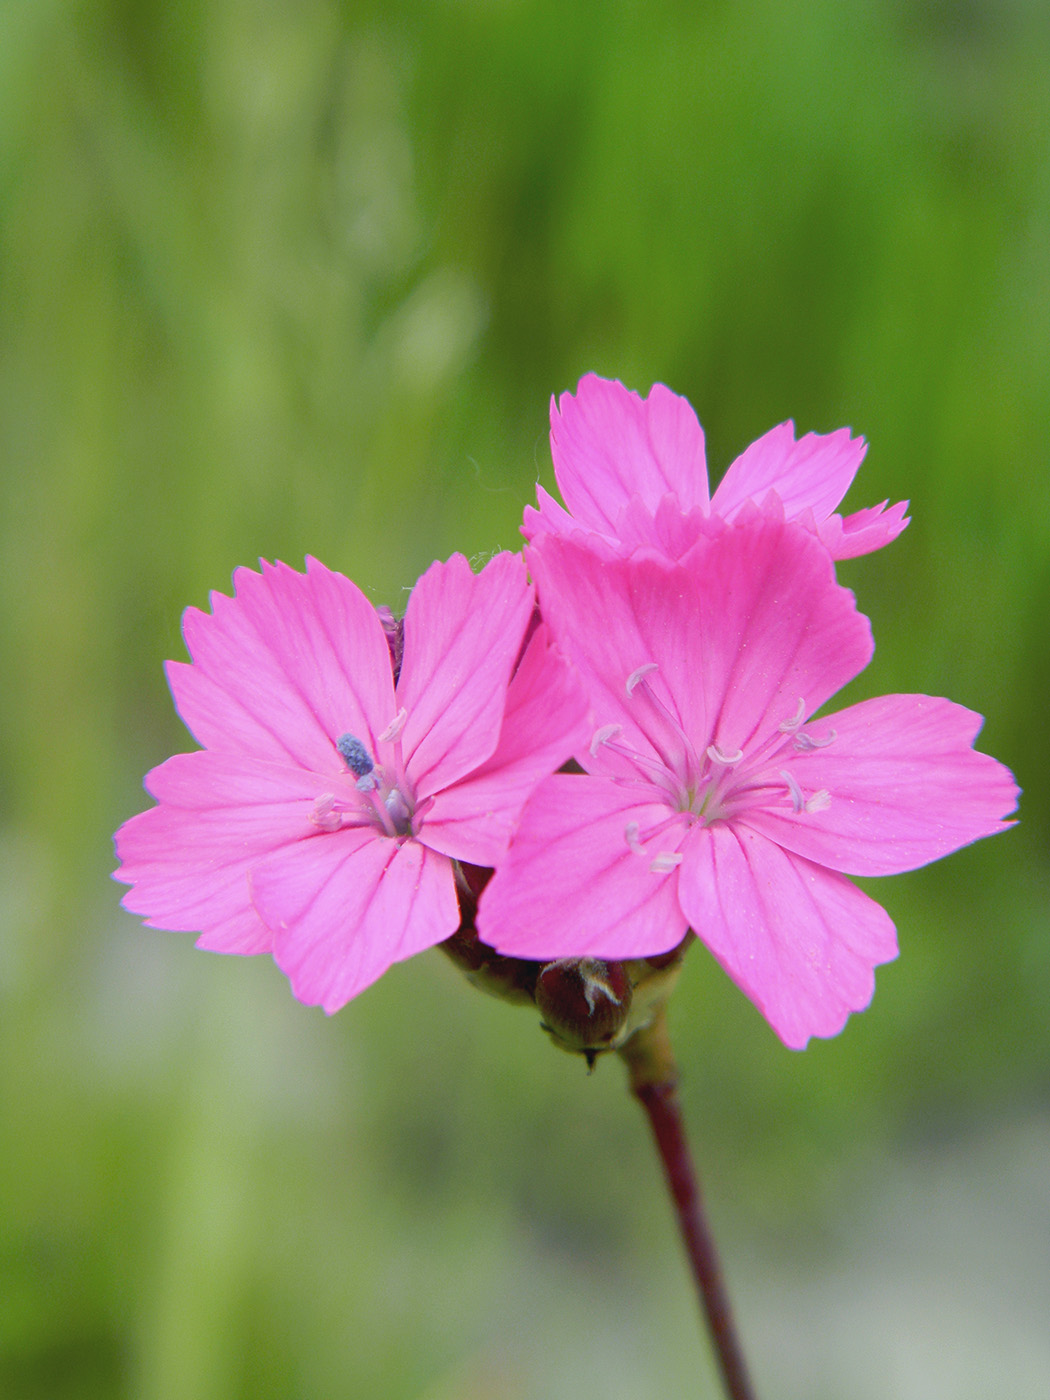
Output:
x=713 y=797
x=338 y=780
x=633 y=471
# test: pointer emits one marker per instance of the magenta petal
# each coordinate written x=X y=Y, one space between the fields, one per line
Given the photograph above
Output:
x=463 y=633
x=813 y=473
x=572 y=886
x=346 y=905
x=802 y=942
x=285 y=666
x=545 y=723
x=864 y=531
x=773 y=629
x=170 y=891
x=219 y=719
x=751 y=622
x=609 y=444
x=618 y=456
x=612 y=616
x=905 y=787
x=670 y=530
x=188 y=858
x=549 y=519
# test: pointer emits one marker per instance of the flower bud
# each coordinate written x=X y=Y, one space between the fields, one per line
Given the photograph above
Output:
x=509 y=979
x=585 y=1003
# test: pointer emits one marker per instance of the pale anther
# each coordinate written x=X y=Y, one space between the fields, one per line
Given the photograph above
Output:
x=665 y=862
x=603 y=735
x=323 y=813
x=819 y=802
x=789 y=726
x=394 y=728
x=805 y=743
x=636 y=676
x=727 y=760
x=630 y=835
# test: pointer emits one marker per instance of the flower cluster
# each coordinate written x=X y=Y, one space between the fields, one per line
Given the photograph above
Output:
x=676 y=645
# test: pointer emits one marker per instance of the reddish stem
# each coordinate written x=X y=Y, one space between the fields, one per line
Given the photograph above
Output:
x=654 y=1082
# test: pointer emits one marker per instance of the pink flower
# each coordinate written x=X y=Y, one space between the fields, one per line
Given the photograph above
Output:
x=633 y=471
x=713 y=798
x=320 y=821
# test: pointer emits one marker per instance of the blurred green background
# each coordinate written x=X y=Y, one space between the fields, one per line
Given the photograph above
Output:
x=279 y=278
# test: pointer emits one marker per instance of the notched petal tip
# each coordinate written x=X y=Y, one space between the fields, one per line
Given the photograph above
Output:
x=864 y=531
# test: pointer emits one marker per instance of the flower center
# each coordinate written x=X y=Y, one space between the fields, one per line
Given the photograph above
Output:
x=381 y=796
x=715 y=785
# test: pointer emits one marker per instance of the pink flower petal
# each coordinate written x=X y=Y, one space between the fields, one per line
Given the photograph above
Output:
x=813 y=473
x=905 y=786
x=617 y=457
x=612 y=617
x=284 y=667
x=345 y=906
x=549 y=519
x=609 y=444
x=572 y=886
x=221 y=720
x=864 y=531
x=545 y=722
x=671 y=530
x=800 y=941
x=748 y=624
x=463 y=634
x=188 y=859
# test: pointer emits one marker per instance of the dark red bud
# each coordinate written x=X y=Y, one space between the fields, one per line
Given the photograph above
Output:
x=585 y=1003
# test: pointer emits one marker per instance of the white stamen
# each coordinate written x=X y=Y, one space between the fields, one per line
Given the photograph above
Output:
x=794 y=792
x=603 y=735
x=665 y=862
x=630 y=835
x=790 y=725
x=806 y=743
x=727 y=760
x=819 y=802
x=394 y=728
x=367 y=782
x=594 y=983
x=324 y=815
x=636 y=676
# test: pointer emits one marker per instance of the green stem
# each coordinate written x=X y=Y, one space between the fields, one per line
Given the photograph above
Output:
x=654 y=1082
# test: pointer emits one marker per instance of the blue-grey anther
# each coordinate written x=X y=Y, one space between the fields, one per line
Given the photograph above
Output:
x=358 y=759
